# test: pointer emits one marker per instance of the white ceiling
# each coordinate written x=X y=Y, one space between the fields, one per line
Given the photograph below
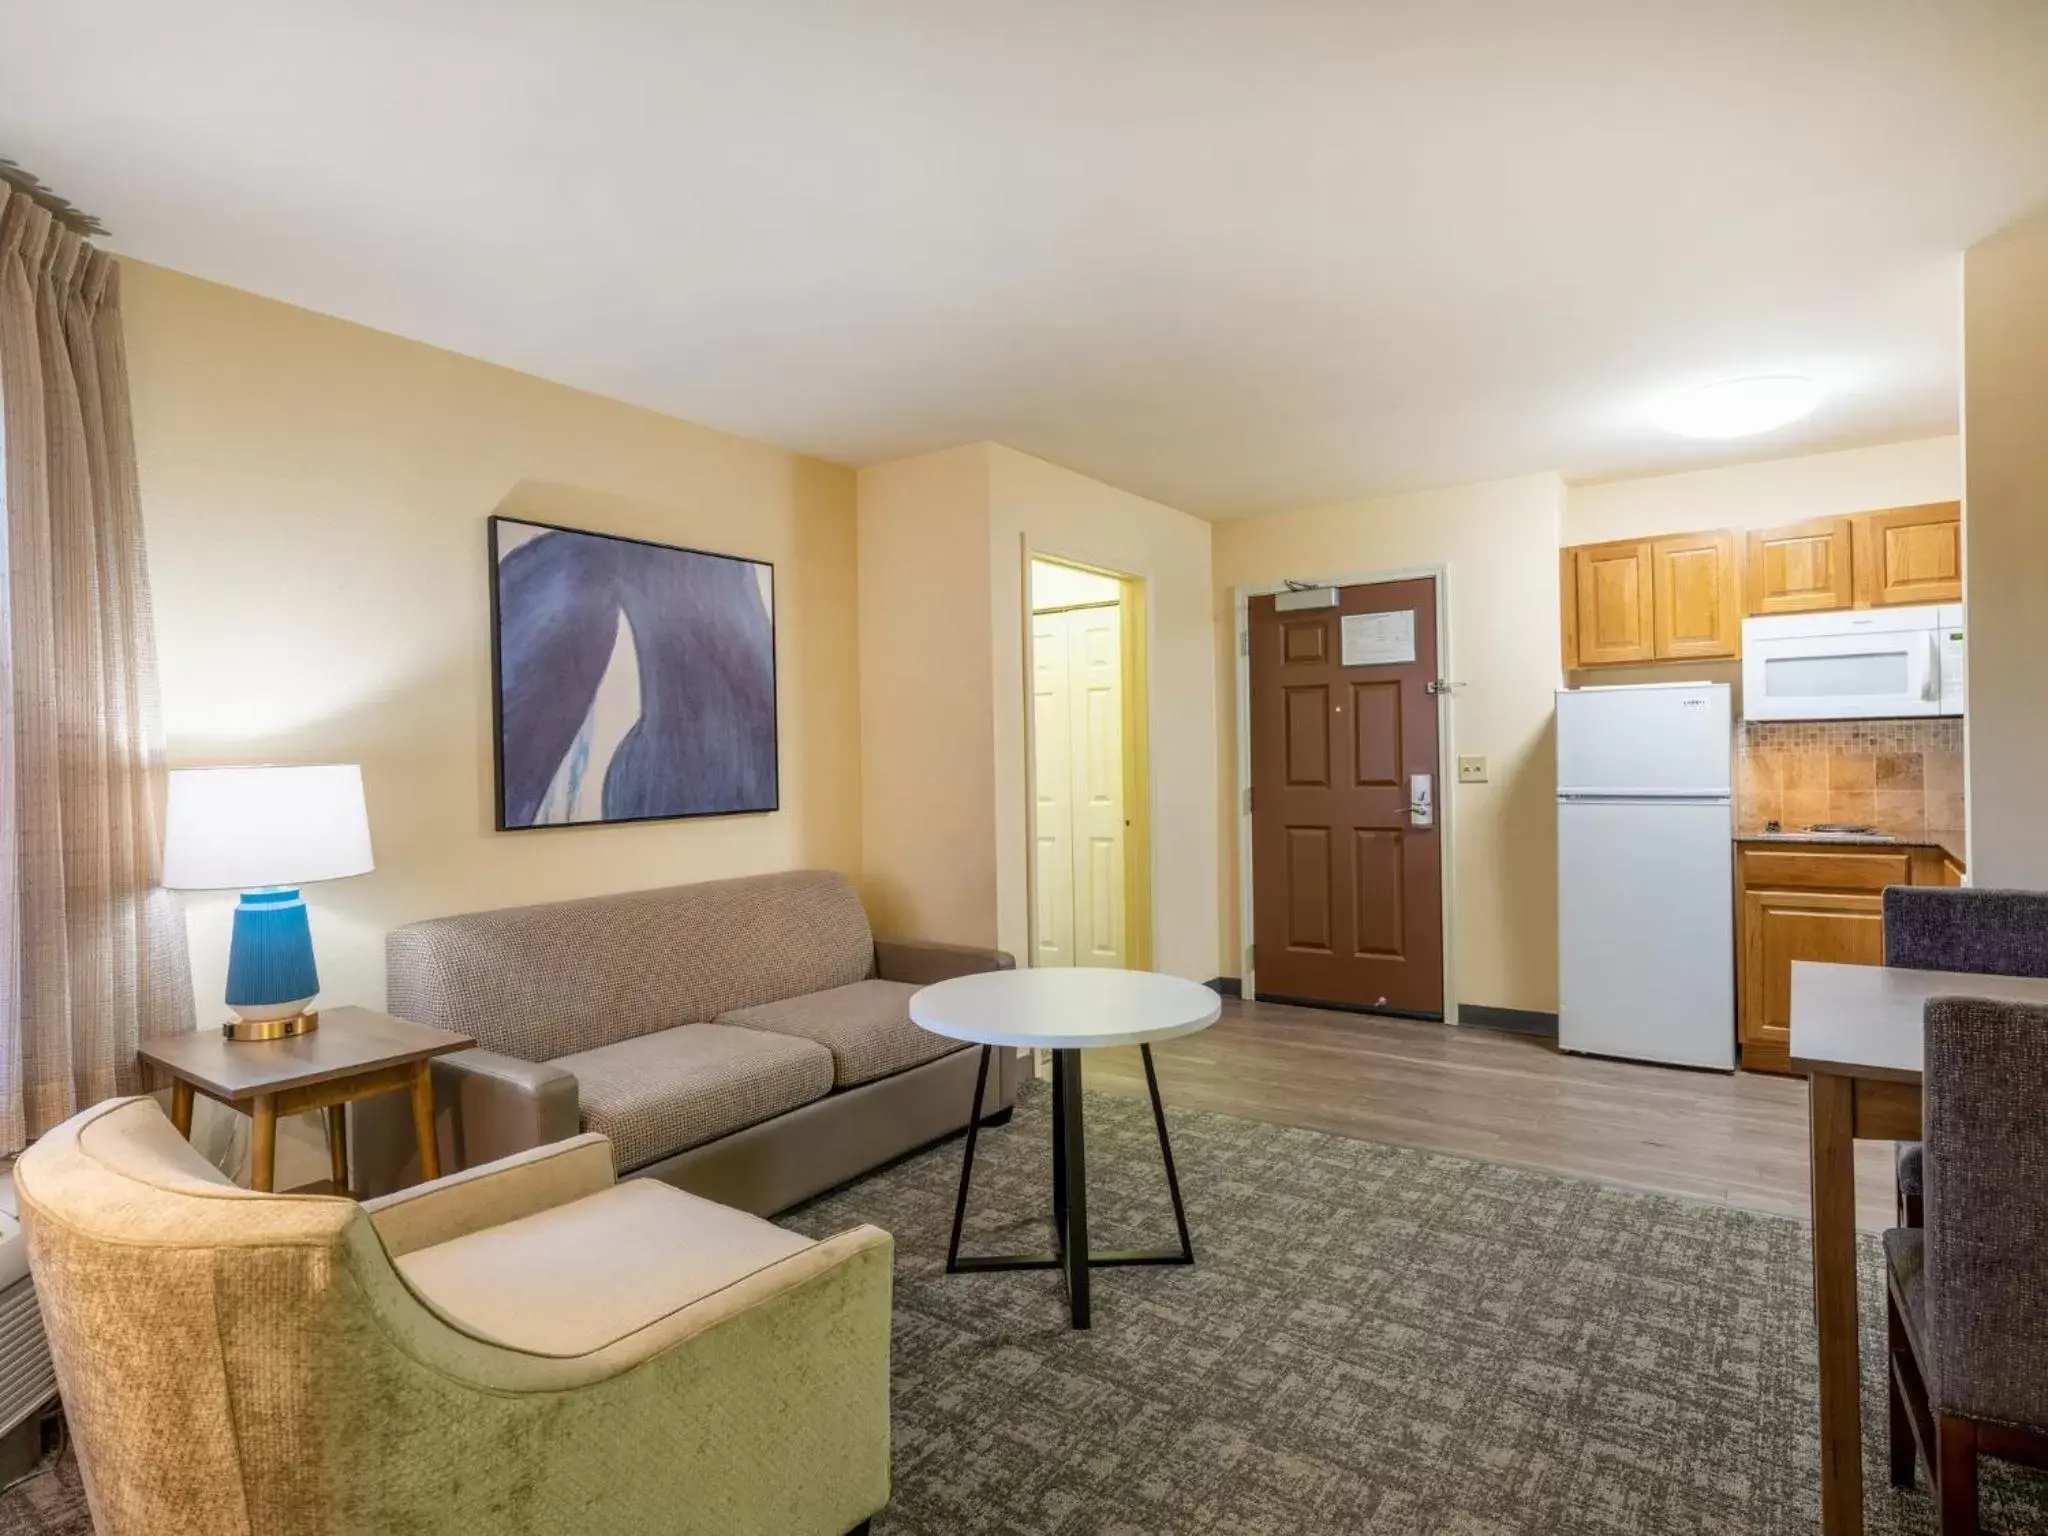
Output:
x=1236 y=255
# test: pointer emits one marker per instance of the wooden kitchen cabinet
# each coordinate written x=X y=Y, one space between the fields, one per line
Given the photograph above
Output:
x=1779 y=927
x=1871 y=560
x=1803 y=567
x=1696 y=598
x=1909 y=555
x=1809 y=901
x=1613 y=587
x=1682 y=596
x=1631 y=601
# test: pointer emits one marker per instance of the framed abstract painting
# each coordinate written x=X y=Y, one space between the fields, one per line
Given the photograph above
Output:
x=633 y=681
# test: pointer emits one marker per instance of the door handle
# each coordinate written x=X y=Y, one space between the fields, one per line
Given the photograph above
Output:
x=1421 y=800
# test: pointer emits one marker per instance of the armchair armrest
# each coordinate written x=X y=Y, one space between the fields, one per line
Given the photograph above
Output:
x=920 y=963
x=790 y=1364
x=848 y=1277
x=489 y=1196
x=486 y=1106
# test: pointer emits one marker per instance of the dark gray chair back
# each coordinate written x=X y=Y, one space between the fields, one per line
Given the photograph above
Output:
x=1984 y=932
x=1987 y=1210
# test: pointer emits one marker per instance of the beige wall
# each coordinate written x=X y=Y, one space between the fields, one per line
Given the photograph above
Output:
x=1499 y=542
x=1039 y=508
x=315 y=497
x=944 y=599
x=927 y=813
x=2005 y=551
x=1765 y=494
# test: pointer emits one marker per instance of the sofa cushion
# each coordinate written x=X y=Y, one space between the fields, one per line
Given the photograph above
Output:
x=866 y=1027
x=678 y=1088
x=543 y=981
x=575 y=1278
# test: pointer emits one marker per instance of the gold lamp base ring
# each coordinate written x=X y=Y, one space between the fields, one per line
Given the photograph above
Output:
x=271 y=1029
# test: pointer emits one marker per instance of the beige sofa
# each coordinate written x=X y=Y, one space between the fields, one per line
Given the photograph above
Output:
x=527 y=1349
x=747 y=1040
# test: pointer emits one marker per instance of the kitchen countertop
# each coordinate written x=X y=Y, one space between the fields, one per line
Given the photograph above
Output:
x=1950 y=843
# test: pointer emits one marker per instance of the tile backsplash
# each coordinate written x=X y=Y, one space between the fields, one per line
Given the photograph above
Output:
x=1904 y=777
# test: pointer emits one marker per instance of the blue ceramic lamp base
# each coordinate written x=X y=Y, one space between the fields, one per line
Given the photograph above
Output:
x=271 y=974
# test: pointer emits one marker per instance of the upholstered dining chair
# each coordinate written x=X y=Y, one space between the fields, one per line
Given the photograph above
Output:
x=524 y=1348
x=1967 y=1298
x=1942 y=928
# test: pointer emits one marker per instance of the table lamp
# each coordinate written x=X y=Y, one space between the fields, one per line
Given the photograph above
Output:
x=265 y=832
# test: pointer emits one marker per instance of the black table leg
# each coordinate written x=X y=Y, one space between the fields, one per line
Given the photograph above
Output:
x=1072 y=1256
x=967 y=1163
x=1180 y=1214
x=1059 y=1161
x=1074 y=1170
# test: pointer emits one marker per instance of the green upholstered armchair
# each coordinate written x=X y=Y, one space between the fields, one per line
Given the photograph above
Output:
x=527 y=1347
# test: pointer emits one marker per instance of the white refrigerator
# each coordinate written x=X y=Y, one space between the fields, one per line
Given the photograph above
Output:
x=1646 y=957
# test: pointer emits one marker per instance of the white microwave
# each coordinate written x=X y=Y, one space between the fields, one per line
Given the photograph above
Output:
x=1866 y=664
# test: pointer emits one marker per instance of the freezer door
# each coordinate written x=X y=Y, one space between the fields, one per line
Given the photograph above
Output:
x=1646 y=954
x=1669 y=740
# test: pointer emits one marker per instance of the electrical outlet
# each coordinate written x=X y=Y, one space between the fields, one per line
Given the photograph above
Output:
x=1471 y=770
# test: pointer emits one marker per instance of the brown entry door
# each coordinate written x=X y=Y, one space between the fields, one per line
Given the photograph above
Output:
x=1347 y=871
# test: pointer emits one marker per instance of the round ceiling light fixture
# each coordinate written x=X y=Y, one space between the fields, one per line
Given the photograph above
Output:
x=1739 y=407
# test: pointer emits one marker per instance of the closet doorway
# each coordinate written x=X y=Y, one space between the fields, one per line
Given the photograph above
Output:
x=1091 y=859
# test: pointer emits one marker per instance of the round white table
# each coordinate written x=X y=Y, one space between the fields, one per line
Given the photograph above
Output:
x=1067 y=1011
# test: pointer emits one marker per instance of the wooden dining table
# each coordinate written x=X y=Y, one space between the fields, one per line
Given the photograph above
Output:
x=1857 y=1035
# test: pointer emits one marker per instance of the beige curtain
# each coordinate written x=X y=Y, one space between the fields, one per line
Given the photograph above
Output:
x=92 y=952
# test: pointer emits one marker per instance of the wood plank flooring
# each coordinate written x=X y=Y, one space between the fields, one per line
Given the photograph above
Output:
x=1739 y=1140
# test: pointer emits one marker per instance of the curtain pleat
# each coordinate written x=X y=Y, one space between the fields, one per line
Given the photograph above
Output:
x=161 y=960
x=98 y=959
x=21 y=422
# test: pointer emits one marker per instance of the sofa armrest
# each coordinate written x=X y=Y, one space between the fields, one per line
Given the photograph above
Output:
x=486 y=1106
x=920 y=963
x=489 y=1196
x=501 y=1105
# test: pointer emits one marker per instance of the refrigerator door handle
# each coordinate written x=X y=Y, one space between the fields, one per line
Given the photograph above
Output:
x=1628 y=797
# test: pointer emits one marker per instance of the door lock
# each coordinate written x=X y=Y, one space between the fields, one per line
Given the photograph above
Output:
x=1421 y=800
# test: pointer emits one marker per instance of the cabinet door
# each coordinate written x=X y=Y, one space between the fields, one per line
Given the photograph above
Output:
x=1615 y=584
x=1779 y=927
x=1697 y=606
x=1910 y=555
x=1802 y=568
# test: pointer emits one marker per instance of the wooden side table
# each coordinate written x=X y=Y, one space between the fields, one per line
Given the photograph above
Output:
x=354 y=1054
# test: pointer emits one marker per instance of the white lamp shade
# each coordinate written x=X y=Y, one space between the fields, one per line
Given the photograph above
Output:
x=233 y=829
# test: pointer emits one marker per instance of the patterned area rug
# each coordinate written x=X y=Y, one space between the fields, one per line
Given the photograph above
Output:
x=1373 y=1340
